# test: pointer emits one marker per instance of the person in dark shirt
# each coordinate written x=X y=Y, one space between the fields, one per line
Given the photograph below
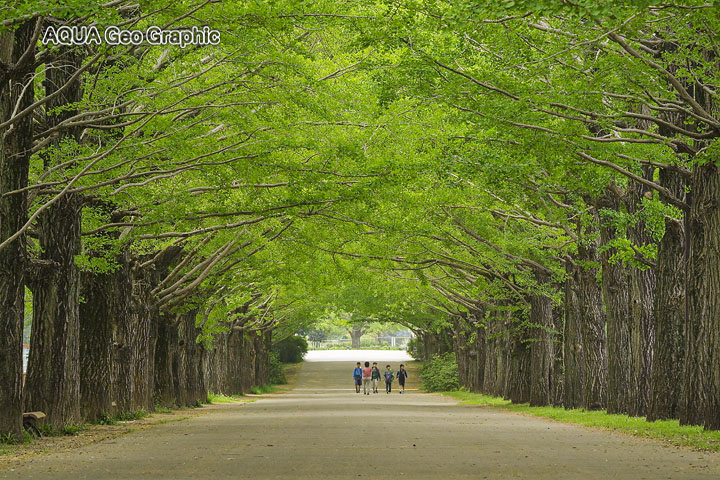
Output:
x=401 y=376
x=375 y=377
x=388 y=379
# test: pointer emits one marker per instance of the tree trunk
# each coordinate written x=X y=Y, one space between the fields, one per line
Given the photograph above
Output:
x=642 y=291
x=557 y=377
x=232 y=359
x=617 y=307
x=15 y=145
x=541 y=352
x=262 y=363
x=702 y=372
x=460 y=346
x=144 y=321
x=247 y=363
x=573 y=353
x=592 y=325
x=53 y=381
x=355 y=333
x=668 y=357
x=164 y=388
x=492 y=352
x=477 y=351
x=195 y=390
x=520 y=360
x=97 y=321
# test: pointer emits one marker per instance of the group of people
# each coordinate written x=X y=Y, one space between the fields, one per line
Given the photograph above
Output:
x=370 y=376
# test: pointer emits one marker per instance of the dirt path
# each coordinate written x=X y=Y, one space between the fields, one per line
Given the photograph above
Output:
x=322 y=429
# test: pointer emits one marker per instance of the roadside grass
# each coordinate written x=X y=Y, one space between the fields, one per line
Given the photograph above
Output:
x=68 y=430
x=666 y=430
x=8 y=440
x=262 y=389
x=215 y=398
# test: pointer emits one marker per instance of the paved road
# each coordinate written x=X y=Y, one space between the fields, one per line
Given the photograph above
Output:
x=322 y=429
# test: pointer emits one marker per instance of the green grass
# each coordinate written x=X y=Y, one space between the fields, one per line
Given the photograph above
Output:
x=261 y=389
x=130 y=416
x=667 y=430
x=70 y=429
x=221 y=398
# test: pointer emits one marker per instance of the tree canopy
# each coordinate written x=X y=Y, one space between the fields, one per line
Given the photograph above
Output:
x=543 y=172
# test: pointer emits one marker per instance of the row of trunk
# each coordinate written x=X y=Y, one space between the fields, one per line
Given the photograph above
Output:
x=127 y=356
x=626 y=339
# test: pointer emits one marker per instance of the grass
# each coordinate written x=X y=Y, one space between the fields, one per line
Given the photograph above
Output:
x=108 y=419
x=666 y=430
x=261 y=389
x=9 y=439
x=69 y=429
x=222 y=398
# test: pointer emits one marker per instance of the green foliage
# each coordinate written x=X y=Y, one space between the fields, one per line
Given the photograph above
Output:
x=291 y=349
x=440 y=373
x=106 y=419
x=416 y=349
x=277 y=370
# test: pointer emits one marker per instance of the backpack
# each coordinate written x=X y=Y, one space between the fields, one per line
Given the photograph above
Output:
x=389 y=376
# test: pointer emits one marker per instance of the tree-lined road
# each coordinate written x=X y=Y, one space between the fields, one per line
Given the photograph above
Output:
x=322 y=429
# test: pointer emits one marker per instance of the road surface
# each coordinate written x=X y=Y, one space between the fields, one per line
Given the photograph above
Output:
x=323 y=429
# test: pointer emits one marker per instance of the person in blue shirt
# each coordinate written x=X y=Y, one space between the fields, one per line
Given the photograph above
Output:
x=357 y=375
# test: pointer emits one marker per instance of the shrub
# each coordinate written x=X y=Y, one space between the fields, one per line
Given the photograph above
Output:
x=415 y=349
x=277 y=372
x=291 y=349
x=440 y=373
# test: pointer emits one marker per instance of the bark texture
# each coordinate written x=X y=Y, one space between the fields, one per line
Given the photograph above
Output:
x=702 y=374
x=15 y=144
x=53 y=382
x=573 y=351
x=642 y=292
x=615 y=286
x=592 y=326
x=541 y=348
x=666 y=381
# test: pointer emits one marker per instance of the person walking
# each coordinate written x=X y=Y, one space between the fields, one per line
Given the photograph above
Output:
x=375 y=377
x=388 y=379
x=357 y=376
x=366 y=376
x=401 y=376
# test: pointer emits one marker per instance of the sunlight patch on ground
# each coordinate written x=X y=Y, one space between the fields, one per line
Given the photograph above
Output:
x=357 y=356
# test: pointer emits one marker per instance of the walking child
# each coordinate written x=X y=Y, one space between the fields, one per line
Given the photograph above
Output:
x=366 y=376
x=375 y=377
x=357 y=375
x=389 y=376
x=401 y=376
